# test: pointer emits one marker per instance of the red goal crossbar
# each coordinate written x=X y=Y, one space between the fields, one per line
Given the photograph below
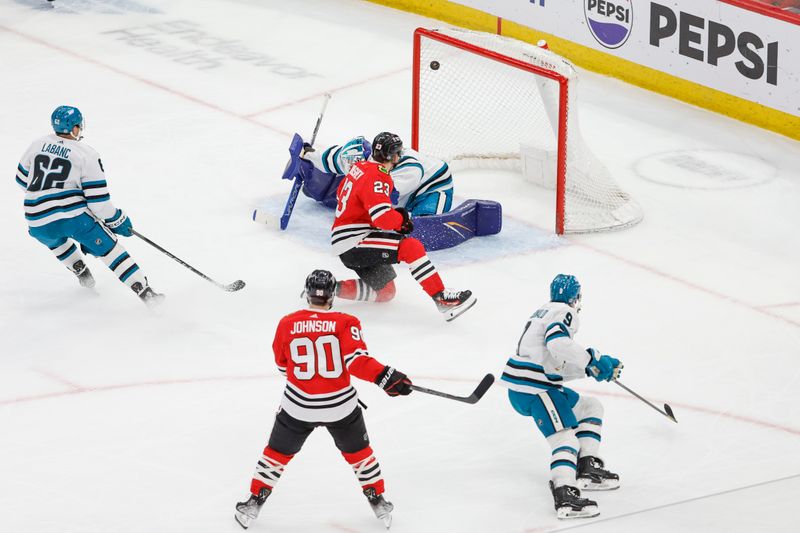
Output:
x=514 y=63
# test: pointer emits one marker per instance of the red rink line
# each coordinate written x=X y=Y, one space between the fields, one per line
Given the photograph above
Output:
x=331 y=91
x=788 y=304
x=340 y=527
x=145 y=81
x=762 y=309
x=701 y=288
x=249 y=117
x=78 y=389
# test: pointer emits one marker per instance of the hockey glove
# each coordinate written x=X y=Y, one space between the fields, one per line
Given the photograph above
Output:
x=407 y=226
x=605 y=368
x=120 y=224
x=393 y=382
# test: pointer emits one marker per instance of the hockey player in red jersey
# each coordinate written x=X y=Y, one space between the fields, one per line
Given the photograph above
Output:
x=370 y=236
x=318 y=350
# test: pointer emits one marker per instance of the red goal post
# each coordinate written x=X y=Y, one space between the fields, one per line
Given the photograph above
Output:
x=507 y=76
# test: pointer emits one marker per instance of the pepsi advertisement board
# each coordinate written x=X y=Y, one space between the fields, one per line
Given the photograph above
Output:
x=722 y=46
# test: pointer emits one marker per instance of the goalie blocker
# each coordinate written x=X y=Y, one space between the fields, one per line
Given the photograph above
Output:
x=473 y=218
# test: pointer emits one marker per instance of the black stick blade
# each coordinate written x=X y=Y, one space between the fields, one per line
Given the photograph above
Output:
x=482 y=387
x=668 y=409
x=235 y=286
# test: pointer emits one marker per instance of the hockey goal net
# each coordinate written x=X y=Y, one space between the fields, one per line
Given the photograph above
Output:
x=494 y=102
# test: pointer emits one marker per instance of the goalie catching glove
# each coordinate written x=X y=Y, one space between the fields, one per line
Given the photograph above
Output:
x=606 y=368
x=393 y=382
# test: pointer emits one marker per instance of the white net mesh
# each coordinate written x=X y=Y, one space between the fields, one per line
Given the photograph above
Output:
x=482 y=111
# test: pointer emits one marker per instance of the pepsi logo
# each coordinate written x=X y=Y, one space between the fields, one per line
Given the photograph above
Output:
x=610 y=22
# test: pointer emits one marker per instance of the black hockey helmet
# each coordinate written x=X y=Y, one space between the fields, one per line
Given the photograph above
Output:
x=385 y=146
x=320 y=288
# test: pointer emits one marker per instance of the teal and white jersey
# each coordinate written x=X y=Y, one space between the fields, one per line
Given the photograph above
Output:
x=62 y=178
x=547 y=354
x=416 y=174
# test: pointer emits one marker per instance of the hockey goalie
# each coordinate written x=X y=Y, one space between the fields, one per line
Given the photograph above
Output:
x=423 y=186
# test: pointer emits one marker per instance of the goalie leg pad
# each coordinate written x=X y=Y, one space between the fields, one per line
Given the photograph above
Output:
x=473 y=218
x=319 y=185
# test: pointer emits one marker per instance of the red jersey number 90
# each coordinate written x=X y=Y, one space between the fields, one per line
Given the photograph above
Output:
x=311 y=357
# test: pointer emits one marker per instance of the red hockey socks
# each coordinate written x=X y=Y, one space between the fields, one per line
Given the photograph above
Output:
x=356 y=289
x=269 y=470
x=367 y=469
x=412 y=251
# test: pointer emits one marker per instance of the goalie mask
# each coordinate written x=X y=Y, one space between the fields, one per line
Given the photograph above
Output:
x=566 y=289
x=320 y=288
x=385 y=146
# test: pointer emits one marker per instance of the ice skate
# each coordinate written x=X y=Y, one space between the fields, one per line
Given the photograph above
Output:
x=85 y=277
x=569 y=504
x=248 y=511
x=453 y=303
x=150 y=297
x=593 y=476
x=381 y=508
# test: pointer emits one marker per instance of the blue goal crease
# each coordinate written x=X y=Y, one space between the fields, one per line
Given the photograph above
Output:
x=311 y=224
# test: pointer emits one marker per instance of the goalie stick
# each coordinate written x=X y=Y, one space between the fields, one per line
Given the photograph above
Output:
x=298 y=183
x=231 y=287
x=476 y=395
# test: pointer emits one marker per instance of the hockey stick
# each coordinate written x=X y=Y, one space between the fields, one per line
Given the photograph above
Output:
x=231 y=287
x=667 y=409
x=287 y=210
x=476 y=395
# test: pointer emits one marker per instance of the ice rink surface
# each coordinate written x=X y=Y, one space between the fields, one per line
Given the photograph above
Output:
x=116 y=419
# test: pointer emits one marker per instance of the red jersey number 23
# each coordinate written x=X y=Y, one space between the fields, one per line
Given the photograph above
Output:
x=347 y=188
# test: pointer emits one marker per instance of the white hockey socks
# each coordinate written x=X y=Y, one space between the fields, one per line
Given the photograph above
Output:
x=564 y=457
x=68 y=253
x=123 y=266
x=589 y=412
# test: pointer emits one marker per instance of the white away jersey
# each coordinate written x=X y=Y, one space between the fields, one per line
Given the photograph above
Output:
x=62 y=178
x=413 y=175
x=416 y=174
x=547 y=355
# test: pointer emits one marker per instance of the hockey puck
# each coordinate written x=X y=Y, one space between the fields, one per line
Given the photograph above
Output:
x=434 y=65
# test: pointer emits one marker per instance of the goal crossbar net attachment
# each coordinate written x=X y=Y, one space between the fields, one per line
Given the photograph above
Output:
x=488 y=101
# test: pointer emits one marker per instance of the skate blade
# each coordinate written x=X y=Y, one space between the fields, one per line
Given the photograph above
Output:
x=452 y=314
x=387 y=520
x=242 y=519
x=567 y=513
x=585 y=484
